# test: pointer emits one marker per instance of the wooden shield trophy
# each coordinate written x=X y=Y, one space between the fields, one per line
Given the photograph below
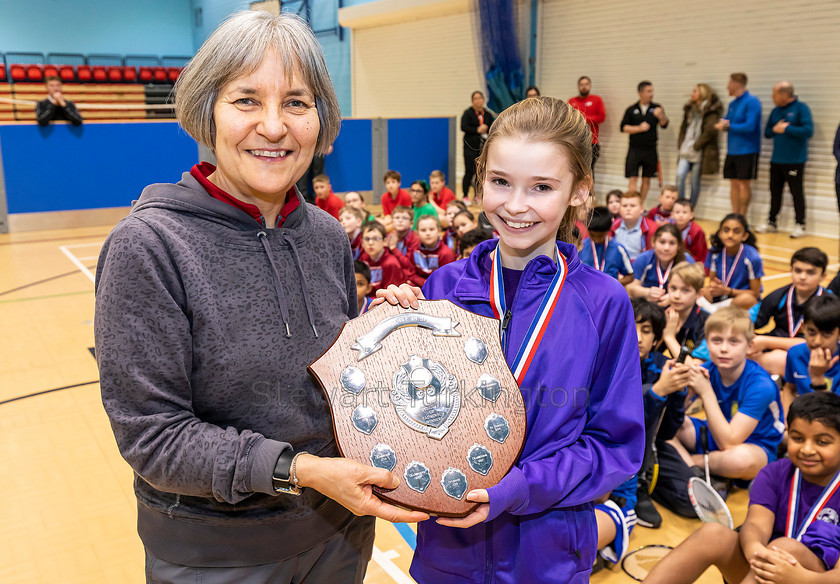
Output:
x=428 y=395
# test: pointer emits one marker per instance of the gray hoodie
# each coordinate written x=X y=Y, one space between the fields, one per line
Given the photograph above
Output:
x=205 y=323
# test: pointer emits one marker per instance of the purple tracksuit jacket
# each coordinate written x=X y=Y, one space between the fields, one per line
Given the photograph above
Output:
x=583 y=395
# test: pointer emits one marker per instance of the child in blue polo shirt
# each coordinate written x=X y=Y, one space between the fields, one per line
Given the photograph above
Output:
x=813 y=365
x=742 y=403
x=602 y=252
x=734 y=266
x=652 y=268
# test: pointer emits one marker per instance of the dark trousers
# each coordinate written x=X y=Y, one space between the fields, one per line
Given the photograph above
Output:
x=792 y=175
x=469 y=169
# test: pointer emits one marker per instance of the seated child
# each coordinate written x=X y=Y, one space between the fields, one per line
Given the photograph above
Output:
x=694 y=238
x=450 y=238
x=325 y=198
x=782 y=541
x=813 y=365
x=352 y=219
x=614 y=203
x=742 y=403
x=652 y=268
x=385 y=267
x=785 y=306
x=461 y=223
x=685 y=320
x=420 y=201
x=357 y=200
x=734 y=266
x=403 y=238
x=392 y=197
x=363 y=286
x=441 y=195
x=432 y=253
x=633 y=230
x=603 y=253
x=662 y=212
x=471 y=239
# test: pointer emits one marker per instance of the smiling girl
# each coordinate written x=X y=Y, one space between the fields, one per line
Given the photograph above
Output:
x=734 y=265
x=652 y=268
x=568 y=334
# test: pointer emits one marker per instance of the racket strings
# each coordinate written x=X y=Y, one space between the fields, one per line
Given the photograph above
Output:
x=638 y=564
x=708 y=503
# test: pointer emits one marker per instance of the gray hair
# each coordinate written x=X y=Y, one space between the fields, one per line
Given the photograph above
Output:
x=785 y=88
x=237 y=48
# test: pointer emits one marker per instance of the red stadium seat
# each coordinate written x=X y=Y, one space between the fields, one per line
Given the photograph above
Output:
x=17 y=72
x=159 y=74
x=172 y=73
x=129 y=74
x=99 y=74
x=84 y=73
x=66 y=73
x=34 y=73
x=115 y=74
x=2 y=72
x=50 y=71
x=146 y=75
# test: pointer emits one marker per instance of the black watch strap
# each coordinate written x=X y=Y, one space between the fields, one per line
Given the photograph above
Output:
x=281 y=478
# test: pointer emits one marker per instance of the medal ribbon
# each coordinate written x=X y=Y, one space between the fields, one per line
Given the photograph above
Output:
x=539 y=325
x=595 y=254
x=793 y=504
x=663 y=279
x=793 y=331
x=728 y=277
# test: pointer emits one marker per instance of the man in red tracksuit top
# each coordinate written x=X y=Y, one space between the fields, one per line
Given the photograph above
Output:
x=591 y=106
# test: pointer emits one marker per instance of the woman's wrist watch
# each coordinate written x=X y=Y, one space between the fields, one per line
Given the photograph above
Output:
x=284 y=479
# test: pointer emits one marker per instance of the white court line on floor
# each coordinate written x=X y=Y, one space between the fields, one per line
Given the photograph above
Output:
x=76 y=262
x=87 y=258
x=89 y=244
x=385 y=561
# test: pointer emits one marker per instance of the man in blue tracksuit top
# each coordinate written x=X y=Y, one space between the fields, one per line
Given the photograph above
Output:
x=743 y=144
x=790 y=125
x=583 y=400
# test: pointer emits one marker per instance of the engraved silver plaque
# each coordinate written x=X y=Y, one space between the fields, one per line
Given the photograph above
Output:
x=417 y=476
x=497 y=428
x=383 y=456
x=476 y=350
x=425 y=396
x=454 y=483
x=480 y=459
x=352 y=379
x=489 y=387
x=364 y=419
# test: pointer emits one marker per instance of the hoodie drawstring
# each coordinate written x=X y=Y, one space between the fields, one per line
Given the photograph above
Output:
x=281 y=297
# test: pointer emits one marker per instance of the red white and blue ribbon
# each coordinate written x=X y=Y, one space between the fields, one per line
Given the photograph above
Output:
x=791 y=529
x=599 y=266
x=663 y=279
x=538 y=326
x=794 y=330
x=728 y=277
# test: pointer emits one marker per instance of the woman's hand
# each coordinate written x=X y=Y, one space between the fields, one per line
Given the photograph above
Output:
x=478 y=515
x=349 y=483
x=405 y=295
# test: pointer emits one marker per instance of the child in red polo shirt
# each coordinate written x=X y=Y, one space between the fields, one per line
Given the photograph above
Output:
x=393 y=196
x=352 y=219
x=432 y=253
x=325 y=198
x=385 y=267
x=661 y=214
x=694 y=238
x=440 y=194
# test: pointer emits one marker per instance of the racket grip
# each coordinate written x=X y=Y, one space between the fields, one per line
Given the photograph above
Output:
x=704 y=438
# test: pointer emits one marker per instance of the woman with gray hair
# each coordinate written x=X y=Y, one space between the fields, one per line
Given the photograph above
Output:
x=212 y=297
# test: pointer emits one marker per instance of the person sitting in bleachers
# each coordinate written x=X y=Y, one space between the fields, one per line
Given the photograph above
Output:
x=56 y=107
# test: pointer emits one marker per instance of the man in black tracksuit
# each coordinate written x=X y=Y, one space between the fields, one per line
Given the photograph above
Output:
x=641 y=121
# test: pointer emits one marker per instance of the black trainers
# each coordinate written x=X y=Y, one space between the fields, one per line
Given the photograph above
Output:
x=646 y=513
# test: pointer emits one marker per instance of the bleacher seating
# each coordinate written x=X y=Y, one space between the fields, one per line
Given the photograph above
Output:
x=134 y=80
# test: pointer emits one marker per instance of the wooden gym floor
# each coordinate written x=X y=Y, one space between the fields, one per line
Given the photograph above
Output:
x=67 y=506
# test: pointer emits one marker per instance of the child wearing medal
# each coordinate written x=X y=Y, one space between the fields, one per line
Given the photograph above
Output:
x=791 y=534
x=569 y=336
x=653 y=267
x=602 y=252
x=734 y=266
x=785 y=307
